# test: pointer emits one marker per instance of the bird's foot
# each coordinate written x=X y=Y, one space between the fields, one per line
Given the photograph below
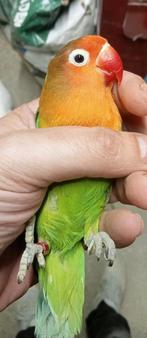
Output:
x=32 y=249
x=27 y=259
x=99 y=242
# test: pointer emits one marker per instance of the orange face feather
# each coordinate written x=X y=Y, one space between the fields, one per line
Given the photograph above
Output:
x=78 y=85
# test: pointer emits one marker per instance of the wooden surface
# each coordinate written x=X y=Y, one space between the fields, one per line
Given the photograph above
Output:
x=122 y=22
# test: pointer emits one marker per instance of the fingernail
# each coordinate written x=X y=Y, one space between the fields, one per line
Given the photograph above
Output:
x=142 y=142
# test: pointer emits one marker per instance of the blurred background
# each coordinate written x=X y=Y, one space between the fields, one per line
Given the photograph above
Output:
x=31 y=32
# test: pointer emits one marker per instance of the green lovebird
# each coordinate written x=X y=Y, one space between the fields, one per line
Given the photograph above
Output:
x=77 y=92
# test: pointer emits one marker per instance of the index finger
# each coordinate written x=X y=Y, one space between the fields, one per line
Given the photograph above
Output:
x=132 y=95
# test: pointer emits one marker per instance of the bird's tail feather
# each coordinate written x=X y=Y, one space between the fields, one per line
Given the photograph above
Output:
x=60 y=303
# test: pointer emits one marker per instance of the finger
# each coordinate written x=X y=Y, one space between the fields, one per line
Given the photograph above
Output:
x=132 y=94
x=58 y=154
x=131 y=98
x=132 y=190
x=21 y=118
x=9 y=266
x=33 y=105
x=122 y=225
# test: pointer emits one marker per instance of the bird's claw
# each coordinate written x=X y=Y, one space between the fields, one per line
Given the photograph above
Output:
x=27 y=259
x=99 y=242
x=39 y=250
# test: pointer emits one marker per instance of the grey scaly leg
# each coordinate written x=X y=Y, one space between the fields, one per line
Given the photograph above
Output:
x=32 y=249
x=99 y=242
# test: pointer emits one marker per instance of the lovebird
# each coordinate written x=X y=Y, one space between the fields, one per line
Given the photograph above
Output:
x=77 y=92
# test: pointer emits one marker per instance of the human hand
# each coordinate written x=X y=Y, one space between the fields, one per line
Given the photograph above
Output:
x=31 y=159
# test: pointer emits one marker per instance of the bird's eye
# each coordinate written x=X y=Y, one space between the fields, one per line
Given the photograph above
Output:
x=79 y=57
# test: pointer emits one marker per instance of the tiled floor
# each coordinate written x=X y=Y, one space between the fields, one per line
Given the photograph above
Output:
x=23 y=87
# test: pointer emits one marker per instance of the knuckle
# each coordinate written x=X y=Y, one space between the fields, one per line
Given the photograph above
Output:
x=136 y=150
x=108 y=142
x=104 y=147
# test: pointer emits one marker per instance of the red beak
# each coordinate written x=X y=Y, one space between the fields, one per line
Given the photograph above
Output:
x=109 y=62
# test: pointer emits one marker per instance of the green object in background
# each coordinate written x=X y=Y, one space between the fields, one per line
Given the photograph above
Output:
x=32 y=19
x=37 y=29
x=6 y=10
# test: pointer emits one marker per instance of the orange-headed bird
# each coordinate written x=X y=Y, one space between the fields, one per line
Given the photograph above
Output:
x=77 y=92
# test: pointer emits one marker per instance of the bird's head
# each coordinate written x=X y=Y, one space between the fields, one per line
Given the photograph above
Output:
x=87 y=56
x=78 y=86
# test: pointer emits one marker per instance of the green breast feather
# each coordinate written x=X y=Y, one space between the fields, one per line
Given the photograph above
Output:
x=70 y=211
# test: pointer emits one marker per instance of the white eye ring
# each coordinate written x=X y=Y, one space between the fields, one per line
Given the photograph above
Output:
x=79 y=57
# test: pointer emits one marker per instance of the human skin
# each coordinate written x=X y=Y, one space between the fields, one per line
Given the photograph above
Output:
x=32 y=159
